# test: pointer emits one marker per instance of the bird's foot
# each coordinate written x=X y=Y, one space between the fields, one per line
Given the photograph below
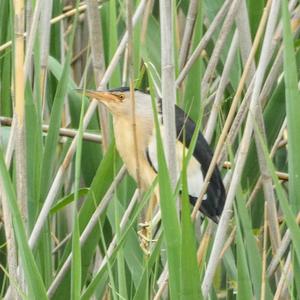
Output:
x=145 y=233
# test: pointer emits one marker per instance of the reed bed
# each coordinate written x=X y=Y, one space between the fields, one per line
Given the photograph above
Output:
x=70 y=215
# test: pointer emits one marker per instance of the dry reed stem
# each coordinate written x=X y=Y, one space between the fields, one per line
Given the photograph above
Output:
x=267 y=181
x=124 y=220
x=218 y=47
x=96 y=43
x=77 y=66
x=28 y=23
x=250 y=200
x=221 y=230
x=270 y=81
x=212 y=120
x=237 y=123
x=87 y=230
x=266 y=177
x=273 y=76
x=242 y=111
x=45 y=32
x=203 y=246
x=162 y=283
x=31 y=37
x=125 y=67
x=145 y=20
x=130 y=67
x=96 y=265
x=58 y=182
x=56 y=19
x=19 y=82
x=78 y=56
x=168 y=86
x=9 y=43
x=281 y=250
x=232 y=110
x=245 y=40
x=285 y=277
x=20 y=141
x=163 y=280
x=264 y=255
x=45 y=42
x=234 y=104
x=67 y=132
x=88 y=115
x=188 y=32
x=281 y=175
x=60 y=244
x=203 y=43
x=114 y=241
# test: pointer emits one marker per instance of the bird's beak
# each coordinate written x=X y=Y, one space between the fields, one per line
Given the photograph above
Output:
x=101 y=96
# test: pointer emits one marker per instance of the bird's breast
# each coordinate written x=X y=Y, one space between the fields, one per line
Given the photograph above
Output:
x=133 y=154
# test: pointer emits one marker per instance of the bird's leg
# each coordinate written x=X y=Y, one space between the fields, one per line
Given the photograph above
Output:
x=145 y=231
x=143 y=236
x=151 y=208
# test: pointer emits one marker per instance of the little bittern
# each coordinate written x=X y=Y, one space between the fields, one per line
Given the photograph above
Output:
x=118 y=102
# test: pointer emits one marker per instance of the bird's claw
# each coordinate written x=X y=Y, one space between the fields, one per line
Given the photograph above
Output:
x=144 y=225
x=145 y=237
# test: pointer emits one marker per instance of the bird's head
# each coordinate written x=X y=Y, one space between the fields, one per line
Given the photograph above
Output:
x=118 y=101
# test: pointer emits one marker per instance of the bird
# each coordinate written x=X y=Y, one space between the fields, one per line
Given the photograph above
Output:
x=143 y=143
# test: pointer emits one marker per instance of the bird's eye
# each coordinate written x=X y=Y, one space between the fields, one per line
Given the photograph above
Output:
x=121 y=97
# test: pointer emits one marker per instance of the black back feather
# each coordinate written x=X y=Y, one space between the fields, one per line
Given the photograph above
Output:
x=121 y=89
x=214 y=204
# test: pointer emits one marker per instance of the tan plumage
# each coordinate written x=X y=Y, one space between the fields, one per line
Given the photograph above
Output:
x=118 y=102
x=124 y=136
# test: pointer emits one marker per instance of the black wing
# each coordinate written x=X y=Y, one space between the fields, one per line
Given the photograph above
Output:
x=185 y=127
x=214 y=204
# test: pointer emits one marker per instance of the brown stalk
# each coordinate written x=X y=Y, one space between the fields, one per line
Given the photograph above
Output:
x=212 y=64
x=281 y=175
x=56 y=19
x=45 y=39
x=62 y=169
x=212 y=120
x=203 y=43
x=241 y=157
x=67 y=132
x=267 y=182
x=90 y=226
x=145 y=20
x=233 y=108
x=131 y=85
x=275 y=71
x=30 y=20
x=188 y=31
x=251 y=197
x=96 y=43
x=286 y=276
x=20 y=140
x=168 y=86
x=264 y=256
